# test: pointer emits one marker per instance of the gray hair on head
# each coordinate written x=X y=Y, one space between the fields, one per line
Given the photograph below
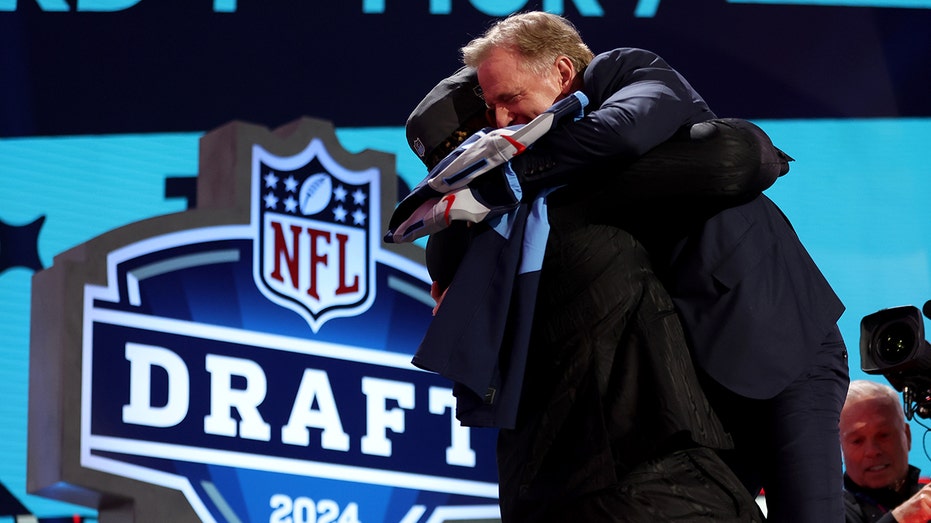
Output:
x=538 y=36
x=861 y=390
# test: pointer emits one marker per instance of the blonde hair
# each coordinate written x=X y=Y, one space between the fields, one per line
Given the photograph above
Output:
x=537 y=36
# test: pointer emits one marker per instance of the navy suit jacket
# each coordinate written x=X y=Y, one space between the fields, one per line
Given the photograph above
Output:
x=752 y=301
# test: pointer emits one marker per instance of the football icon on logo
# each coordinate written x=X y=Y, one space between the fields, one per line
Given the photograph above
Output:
x=315 y=193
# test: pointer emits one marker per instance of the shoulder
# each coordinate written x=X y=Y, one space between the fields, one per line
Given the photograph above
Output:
x=611 y=70
x=626 y=58
x=852 y=509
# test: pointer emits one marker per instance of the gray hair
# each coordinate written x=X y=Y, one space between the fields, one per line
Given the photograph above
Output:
x=537 y=36
x=861 y=390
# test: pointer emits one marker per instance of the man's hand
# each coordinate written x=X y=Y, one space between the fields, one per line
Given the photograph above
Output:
x=447 y=193
x=481 y=153
x=917 y=509
x=488 y=149
x=437 y=294
x=489 y=196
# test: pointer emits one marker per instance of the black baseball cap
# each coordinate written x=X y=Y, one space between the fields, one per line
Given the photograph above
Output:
x=451 y=112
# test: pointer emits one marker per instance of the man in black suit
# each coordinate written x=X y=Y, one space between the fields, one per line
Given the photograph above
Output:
x=759 y=314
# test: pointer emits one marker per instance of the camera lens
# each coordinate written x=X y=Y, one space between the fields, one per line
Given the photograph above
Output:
x=895 y=342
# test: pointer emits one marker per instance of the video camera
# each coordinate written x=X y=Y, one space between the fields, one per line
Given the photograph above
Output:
x=892 y=343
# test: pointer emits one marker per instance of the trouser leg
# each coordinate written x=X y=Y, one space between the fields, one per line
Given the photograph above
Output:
x=789 y=445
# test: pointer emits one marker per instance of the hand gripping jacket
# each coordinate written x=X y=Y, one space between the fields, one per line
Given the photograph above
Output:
x=448 y=192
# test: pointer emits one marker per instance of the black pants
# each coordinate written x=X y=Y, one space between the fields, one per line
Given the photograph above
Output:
x=692 y=486
x=789 y=445
x=688 y=485
x=613 y=425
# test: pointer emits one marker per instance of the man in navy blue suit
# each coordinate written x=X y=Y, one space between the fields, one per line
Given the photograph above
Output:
x=759 y=315
x=579 y=356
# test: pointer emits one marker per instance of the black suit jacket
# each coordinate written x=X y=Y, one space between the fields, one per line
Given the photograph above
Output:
x=752 y=301
x=754 y=304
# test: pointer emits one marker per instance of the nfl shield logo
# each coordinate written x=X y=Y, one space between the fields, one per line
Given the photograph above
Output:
x=191 y=370
x=315 y=222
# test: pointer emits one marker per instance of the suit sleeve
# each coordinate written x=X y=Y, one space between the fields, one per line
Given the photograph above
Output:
x=638 y=102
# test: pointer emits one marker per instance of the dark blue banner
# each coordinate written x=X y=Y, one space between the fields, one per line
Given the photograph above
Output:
x=127 y=66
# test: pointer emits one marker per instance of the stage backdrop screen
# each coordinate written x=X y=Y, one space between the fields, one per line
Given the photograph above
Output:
x=102 y=104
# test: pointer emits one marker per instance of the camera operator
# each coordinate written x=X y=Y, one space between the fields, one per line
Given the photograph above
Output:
x=880 y=485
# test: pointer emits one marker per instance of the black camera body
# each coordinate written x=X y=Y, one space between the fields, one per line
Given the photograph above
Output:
x=892 y=343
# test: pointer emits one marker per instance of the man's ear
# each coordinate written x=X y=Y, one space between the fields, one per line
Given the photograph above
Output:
x=566 y=73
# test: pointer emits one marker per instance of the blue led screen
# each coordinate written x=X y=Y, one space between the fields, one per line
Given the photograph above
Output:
x=102 y=104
